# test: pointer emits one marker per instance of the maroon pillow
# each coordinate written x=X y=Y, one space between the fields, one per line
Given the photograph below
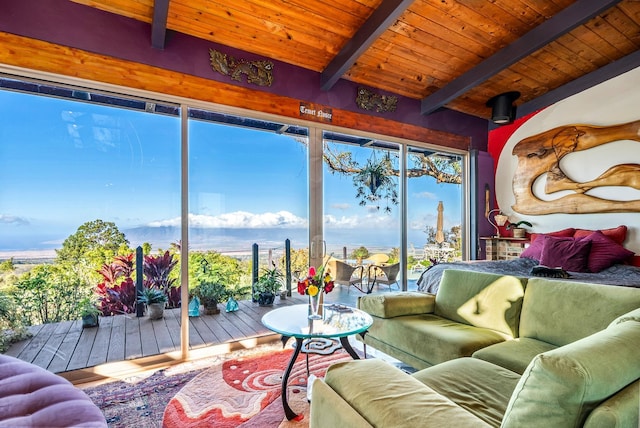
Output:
x=534 y=250
x=566 y=253
x=605 y=252
x=617 y=234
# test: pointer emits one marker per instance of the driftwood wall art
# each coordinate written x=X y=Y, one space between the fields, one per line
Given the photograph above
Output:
x=257 y=72
x=368 y=100
x=542 y=153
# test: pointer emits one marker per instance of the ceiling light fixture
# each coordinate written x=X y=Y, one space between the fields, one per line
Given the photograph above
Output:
x=503 y=111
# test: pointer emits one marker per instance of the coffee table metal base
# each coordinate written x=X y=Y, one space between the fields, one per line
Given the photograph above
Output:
x=290 y=414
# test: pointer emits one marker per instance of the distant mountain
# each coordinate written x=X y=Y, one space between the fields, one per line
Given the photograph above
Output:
x=222 y=240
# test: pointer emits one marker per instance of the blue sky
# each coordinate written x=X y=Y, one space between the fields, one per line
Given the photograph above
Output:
x=63 y=163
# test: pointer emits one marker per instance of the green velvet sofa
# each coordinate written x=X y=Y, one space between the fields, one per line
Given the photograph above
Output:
x=545 y=351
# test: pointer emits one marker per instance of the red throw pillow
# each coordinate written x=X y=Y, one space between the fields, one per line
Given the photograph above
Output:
x=534 y=250
x=605 y=252
x=618 y=234
x=566 y=253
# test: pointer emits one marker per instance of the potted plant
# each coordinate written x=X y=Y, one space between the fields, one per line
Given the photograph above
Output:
x=269 y=283
x=155 y=300
x=210 y=294
x=89 y=313
x=518 y=232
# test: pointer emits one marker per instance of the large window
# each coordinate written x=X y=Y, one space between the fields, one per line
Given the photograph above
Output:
x=86 y=176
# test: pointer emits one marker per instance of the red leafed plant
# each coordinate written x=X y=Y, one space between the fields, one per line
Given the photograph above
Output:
x=157 y=270
x=117 y=293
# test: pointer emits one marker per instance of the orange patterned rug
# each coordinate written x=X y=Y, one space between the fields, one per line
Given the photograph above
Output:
x=245 y=392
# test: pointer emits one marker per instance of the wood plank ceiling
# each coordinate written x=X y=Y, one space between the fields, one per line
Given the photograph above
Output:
x=448 y=53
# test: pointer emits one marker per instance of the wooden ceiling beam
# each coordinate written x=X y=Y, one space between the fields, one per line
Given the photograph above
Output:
x=556 y=26
x=378 y=22
x=159 y=23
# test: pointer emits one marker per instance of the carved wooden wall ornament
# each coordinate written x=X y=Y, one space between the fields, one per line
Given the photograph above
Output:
x=368 y=100
x=542 y=153
x=257 y=72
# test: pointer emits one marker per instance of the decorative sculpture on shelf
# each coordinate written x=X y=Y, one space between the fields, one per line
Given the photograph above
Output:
x=257 y=72
x=368 y=100
x=541 y=154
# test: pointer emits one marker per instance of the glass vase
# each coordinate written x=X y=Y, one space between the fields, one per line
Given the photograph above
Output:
x=314 y=305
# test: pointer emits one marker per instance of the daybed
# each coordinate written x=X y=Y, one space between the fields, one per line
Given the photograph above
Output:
x=588 y=256
x=30 y=396
x=543 y=350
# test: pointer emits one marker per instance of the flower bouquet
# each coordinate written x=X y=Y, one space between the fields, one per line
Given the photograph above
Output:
x=316 y=283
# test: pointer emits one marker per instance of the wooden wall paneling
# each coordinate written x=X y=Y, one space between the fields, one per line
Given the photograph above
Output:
x=43 y=56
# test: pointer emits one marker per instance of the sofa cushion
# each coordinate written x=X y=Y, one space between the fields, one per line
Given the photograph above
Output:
x=515 y=354
x=433 y=338
x=481 y=300
x=396 y=304
x=560 y=312
x=390 y=397
x=480 y=387
x=562 y=386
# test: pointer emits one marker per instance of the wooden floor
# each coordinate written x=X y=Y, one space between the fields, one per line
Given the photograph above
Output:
x=125 y=343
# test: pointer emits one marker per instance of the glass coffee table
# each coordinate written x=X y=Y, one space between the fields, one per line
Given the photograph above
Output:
x=338 y=322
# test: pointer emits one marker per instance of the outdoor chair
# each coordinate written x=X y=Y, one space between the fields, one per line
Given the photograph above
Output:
x=345 y=274
x=384 y=274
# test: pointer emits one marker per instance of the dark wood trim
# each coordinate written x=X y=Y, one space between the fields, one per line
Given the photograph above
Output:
x=556 y=26
x=159 y=23
x=376 y=24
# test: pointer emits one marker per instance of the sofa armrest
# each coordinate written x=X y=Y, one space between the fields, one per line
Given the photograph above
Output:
x=633 y=315
x=397 y=304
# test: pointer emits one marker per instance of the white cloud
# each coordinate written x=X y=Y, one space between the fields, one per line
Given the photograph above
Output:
x=10 y=219
x=426 y=195
x=280 y=220
x=343 y=206
x=239 y=220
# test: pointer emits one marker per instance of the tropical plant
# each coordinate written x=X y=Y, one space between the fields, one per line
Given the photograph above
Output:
x=11 y=328
x=269 y=282
x=211 y=293
x=157 y=270
x=149 y=296
x=48 y=293
x=518 y=225
x=444 y=169
x=116 y=293
x=373 y=183
x=360 y=253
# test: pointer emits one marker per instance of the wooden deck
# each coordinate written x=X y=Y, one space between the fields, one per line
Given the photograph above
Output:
x=125 y=344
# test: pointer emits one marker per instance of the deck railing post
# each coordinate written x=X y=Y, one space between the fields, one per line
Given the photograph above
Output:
x=287 y=264
x=139 y=270
x=254 y=270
